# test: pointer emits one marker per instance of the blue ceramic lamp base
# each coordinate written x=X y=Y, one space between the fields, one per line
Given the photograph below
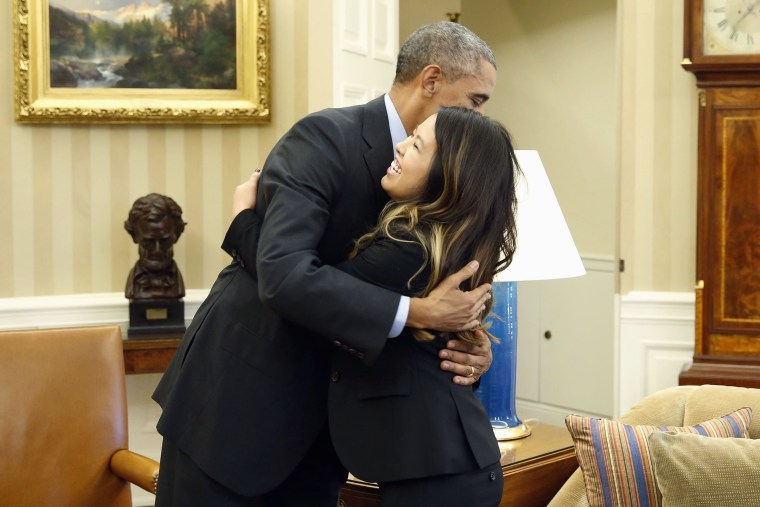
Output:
x=545 y=251
x=497 y=386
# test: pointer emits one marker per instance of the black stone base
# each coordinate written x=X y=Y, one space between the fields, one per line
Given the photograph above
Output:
x=148 y=318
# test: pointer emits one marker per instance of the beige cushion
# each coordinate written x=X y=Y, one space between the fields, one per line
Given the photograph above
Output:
x=697 y=471
x=712 y=401
x=665 y=408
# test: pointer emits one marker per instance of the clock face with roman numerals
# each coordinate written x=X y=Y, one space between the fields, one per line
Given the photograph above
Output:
x=731 y=27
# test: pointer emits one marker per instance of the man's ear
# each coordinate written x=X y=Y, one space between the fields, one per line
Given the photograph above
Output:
x=430 y=79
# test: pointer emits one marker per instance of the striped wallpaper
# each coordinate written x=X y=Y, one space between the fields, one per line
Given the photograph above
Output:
x=66 y=190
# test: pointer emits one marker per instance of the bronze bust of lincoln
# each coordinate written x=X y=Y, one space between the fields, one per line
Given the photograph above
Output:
x=155 y=224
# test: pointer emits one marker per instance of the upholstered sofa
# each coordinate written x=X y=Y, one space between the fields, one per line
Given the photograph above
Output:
x=682 y=406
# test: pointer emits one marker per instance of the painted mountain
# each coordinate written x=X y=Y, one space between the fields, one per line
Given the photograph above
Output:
x=187 y=44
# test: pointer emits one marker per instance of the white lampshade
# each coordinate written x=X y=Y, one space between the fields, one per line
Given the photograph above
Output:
x=545 y=248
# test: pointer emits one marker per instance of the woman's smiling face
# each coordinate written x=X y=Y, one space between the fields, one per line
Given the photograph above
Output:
x=408 y=173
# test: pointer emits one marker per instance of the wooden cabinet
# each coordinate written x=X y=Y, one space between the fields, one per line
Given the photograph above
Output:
x=566 y=337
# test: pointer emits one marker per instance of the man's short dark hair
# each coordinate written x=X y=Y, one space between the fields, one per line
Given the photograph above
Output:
x=451 y=46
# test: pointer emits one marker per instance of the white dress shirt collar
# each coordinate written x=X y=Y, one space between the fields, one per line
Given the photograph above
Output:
x=398 y=132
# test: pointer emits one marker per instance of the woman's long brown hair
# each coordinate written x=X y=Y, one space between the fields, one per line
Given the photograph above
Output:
x=466 y=210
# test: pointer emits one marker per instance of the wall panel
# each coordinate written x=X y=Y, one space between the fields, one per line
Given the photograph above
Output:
x=100 y=219
x=120 y=167
x=658 y=104
x=61 y=210
x=82 y=209
x=41 y=199
x=6 y=176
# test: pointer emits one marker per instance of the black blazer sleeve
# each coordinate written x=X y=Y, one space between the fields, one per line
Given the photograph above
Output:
x=244 y=230
x=305 y=174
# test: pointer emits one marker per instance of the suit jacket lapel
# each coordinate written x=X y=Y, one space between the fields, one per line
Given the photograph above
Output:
x=376 y=133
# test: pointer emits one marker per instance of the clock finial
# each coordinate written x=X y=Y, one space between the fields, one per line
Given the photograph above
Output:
x=454 y=16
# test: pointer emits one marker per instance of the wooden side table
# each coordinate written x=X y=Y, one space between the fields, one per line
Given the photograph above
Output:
x=149 y=355
x=534 y=469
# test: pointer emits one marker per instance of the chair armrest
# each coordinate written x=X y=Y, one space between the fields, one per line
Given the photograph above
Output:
x=136 y=468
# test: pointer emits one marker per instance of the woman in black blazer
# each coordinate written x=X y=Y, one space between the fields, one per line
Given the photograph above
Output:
x=401 y=422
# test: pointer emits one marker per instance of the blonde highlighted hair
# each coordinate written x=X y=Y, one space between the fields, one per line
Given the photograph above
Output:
x=466 y=210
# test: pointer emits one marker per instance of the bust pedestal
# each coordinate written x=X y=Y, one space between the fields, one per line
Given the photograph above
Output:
x=149 y=318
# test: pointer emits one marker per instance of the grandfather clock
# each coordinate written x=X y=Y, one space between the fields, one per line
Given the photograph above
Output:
x=722 y=48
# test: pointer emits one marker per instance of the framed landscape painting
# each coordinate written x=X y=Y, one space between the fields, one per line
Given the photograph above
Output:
x=141 y=61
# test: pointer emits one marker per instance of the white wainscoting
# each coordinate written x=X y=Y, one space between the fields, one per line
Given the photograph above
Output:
x=102 y=309
x=656 y=343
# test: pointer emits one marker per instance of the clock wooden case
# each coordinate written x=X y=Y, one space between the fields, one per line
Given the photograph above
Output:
x=722 y=35
x=722 y=49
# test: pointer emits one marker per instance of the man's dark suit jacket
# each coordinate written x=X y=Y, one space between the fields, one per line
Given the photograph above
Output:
x=402 y=417
x=246 y=392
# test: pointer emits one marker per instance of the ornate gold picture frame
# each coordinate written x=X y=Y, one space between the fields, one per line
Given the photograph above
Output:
x=243 y=99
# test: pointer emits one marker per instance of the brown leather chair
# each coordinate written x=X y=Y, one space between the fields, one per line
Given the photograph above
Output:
x=63 y=420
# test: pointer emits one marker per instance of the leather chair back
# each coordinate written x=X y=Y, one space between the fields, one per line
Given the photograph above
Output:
x=63 y=413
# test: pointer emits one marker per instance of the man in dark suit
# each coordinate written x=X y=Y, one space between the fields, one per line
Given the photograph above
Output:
x=245 y=398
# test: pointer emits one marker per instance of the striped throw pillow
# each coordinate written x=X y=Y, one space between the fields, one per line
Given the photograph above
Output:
x=615 y=460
